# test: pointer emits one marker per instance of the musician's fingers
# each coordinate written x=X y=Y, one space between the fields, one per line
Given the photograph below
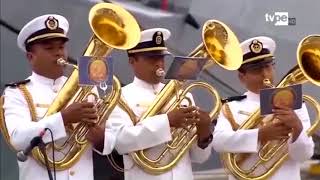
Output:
x=91 y=98
x=89 y=110
x=281 y=111
x=87 y=105
x=188 y=109
x=282 y=107
x=194 y=121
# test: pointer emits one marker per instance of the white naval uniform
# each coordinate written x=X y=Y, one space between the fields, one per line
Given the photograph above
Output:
x=21 y=128
x=150 y=133
x=227 y=140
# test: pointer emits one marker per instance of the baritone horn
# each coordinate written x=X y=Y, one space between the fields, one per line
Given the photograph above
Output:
x=219 y=45
x=113 y=28
x=271 y=155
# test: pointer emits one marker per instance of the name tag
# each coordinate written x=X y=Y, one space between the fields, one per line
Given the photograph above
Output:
x=244 y=113
x=42 y=105
x=144 y=104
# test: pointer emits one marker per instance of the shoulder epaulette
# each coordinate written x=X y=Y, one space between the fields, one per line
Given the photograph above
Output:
x=233 y=98
x=15 y=84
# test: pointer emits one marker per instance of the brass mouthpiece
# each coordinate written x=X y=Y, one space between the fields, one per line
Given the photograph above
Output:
x=62 y=62
x=160 y=72
x=268 y=83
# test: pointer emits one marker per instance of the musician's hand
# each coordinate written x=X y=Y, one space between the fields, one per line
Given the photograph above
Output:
x=288 y=117
x=96 y=137
x=203 y=124
x=77 y=112
x=181 y=117
x=273 y=131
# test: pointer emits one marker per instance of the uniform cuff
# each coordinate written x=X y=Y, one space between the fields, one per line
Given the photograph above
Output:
x=109 y=141
x=56 y=125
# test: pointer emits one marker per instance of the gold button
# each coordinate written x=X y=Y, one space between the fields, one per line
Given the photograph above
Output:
x=72 y=173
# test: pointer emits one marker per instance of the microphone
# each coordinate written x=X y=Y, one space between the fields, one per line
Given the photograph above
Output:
x=23 y=155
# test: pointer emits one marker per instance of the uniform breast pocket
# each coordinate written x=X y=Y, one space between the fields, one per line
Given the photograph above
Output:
x=242 y=116
x=41 y=109
x=141 y=107
x=41 y=112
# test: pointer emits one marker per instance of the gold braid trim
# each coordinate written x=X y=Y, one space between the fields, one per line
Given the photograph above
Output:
x=3 y=126
x=29 y=100
x=226 y=111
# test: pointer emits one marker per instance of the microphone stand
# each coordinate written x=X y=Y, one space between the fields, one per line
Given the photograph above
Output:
x=43 y=151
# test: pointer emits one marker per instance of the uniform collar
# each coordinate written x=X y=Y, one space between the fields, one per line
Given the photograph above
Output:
x=44 y=80
x=252 y=96
x=145 y=85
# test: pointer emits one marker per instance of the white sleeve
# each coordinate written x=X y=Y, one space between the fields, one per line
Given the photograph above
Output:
x=225 y=139
x=302 y=149
x=110 y=135
x=199 y=155
x=21 y=128
x=127 y=137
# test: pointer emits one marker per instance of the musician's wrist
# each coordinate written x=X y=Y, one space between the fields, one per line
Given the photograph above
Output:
x=298 y=126
x=296 y=131
x=64 y=118
x=261 y=134
x=203 y=142
x=98 y=146
x=203 y=132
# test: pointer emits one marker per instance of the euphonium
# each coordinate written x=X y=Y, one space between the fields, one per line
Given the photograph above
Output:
x=272 y=156
x=220 y=46
x=113 y=27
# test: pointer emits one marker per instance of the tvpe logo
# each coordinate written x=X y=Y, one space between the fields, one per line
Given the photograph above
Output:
x=280 y=19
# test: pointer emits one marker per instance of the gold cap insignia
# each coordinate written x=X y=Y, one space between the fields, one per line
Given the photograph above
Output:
x=159 y=38
x=52 y=23
x=256 y=46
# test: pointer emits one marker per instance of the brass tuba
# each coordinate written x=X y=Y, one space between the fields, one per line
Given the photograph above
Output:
x=273 y=154
x=113 y=27
x=220 y=46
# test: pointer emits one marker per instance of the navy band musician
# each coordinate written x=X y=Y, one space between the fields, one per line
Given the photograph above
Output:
x=147 y=62
x=258 y=64
x=43 y=40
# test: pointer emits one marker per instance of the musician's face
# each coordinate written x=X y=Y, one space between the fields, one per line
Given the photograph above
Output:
x=253 y=77
x=43 y=57
x=145 y=67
